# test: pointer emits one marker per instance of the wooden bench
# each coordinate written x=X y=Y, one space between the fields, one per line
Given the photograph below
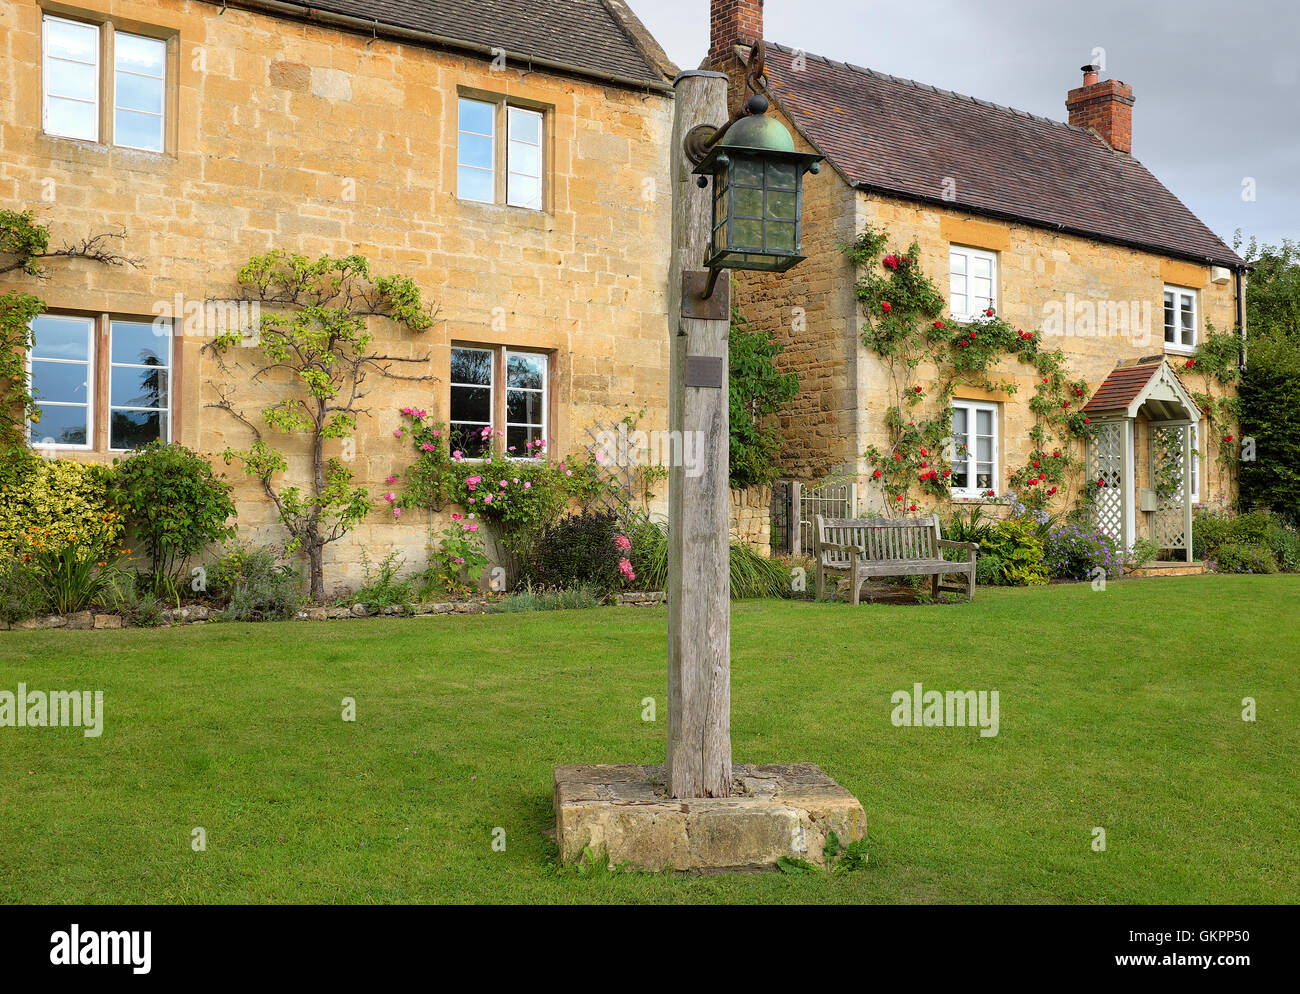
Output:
x=867 y=547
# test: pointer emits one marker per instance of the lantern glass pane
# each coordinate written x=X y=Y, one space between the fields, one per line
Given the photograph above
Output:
x=747 y=234
x=781 y=175
x=747 y=171
x=780 y=237
x=749 y=202
x=781 y=206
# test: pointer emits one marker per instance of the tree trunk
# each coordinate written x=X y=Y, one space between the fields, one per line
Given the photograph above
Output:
x=316 y=567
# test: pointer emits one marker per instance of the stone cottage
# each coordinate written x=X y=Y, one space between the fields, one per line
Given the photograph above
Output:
x=508 y=156
x=1037 y=219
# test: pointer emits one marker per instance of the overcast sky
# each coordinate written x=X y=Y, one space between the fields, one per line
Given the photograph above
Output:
x=1217 y=85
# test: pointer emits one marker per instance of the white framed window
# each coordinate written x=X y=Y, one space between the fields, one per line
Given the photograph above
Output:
x=139 y=91
x=524 y=158
x=70 y=78
x=974 y=457
x=1180 y=319
x=472 y=395
x=139 y=384
x=972 y=282
x=1195 y=468
x=476 y=151
x=61 y=376
x=526 y=397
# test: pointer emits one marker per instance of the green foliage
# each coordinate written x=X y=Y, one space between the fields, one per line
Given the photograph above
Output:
x=1237 y=557
x=1018 y=547
x=322 y=340
x=254 y=584
x=1270 y=415
x=381 y=587
x=61 y=501
x=1144 y=550
x=457 y=562
x=757 y=391
x=520 y=495
x=751 y=575
x=17 y=405
x=175 y=504
x=23 y=240
x=72 y=576
x=1273 y=289
x=907 y=329
x=20 y=596
x=139 y=608
x=529 y=599
x=581 y=550
x=1074 y=553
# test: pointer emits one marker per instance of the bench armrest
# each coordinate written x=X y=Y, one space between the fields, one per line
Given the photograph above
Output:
x=946 y=543
x=837 y=547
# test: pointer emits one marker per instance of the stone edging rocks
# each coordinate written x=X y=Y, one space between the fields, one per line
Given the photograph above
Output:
x=86 y=620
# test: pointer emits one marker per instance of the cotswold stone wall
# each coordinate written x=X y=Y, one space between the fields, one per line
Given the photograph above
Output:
x=307 y=138
x=751 y=518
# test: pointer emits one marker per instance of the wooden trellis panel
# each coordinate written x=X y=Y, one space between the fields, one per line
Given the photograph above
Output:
x=620 y=474
x=1106 y=463
x=1168 y=452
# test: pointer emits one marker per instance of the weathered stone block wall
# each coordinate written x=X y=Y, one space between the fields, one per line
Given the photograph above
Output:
x=310 y=139
x=751 y=518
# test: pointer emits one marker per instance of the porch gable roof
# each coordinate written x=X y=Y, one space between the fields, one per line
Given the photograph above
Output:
x=1148 y=380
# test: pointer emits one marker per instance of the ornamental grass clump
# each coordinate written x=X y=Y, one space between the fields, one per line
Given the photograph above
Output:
x=1073 y=553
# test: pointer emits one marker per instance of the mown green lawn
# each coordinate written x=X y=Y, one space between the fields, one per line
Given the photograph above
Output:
x=1120 y=709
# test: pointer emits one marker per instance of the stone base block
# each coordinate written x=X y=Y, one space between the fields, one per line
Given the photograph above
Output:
x=775 y=810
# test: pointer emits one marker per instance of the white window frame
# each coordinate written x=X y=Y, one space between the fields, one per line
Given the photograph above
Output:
x=492 y=395
x=491 y=170
x=511 y=142
x=544 y=391
x=46 y=19
x=167 y=406
x=1181 y=294
x=90 y=364
x=971 y=254
x=162 y=114
x=972 y=492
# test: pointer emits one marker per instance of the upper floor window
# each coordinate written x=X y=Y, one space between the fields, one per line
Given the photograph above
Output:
x=1180 y=318
x=972 y=282
x=480 y=159
x=71 y=106
x=498 y=392
x=974 y=449
x=66 y=363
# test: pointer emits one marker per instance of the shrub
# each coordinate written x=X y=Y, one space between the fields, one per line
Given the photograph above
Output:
x=255 y=585
x=1270 y=414
x=65 y=502
x=457 y=563
x=753 y=575
x=1017 y=544
x=380 y=587
x=988 y=569
x=1071 y=553
x=73 y=576
x=1284 y=543
x=1144 y=551
x=581 y=550
x=1235 y=557
x=757 y=390
x=20 y=597
x=175 y=504
x=529 y=599
x=1209 y=530
x=139 y=608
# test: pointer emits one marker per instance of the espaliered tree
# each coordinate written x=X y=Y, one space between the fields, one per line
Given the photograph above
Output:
x=316 y=339
x=927 y=355
x=24 y=248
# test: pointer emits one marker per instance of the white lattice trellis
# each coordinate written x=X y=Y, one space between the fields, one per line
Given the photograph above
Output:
x=1106 y=463
x=1168 y=476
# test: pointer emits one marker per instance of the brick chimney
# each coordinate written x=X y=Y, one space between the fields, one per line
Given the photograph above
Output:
x=1105 y=107
x=731 y=23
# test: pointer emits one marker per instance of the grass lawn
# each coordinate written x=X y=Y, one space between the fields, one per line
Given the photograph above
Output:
x=1120 y=709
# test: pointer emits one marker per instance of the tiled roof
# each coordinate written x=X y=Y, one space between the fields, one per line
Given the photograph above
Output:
x=1120 y=388
x=893 y=135
x=600 y=36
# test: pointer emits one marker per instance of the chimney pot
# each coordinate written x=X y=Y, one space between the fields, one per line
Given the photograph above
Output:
x=1105 y=107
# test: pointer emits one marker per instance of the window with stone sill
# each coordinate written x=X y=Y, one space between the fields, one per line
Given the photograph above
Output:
x=102 y=383
x=1180 y=319
x=500 y=394
x=974 y=457
x=972 y=282
x=99 y=81
x=492 y=171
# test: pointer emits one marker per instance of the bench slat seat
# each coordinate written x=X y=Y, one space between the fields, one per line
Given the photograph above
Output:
x=867 y=547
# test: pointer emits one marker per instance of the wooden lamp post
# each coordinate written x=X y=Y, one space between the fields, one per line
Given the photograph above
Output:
x=750 y=219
